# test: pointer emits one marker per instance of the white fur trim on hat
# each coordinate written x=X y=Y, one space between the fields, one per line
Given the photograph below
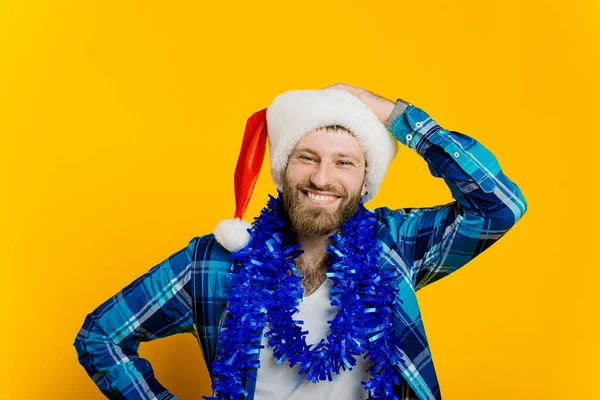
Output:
x=295 y=113
x=233 y=234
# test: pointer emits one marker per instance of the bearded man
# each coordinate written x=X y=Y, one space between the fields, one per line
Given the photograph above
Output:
x=316 y=298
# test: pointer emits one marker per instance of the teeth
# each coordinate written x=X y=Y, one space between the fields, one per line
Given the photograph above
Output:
x=317 y=197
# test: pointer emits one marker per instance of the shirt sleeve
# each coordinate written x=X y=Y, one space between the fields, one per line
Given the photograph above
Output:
x=437 y=241
x=155 y=305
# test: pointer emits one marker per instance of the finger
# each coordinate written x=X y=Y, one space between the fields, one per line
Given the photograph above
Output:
x=338 y=85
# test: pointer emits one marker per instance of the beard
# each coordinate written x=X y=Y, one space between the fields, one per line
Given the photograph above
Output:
x=307 y=219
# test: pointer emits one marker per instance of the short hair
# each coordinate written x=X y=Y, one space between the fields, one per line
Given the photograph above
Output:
x=337 y=128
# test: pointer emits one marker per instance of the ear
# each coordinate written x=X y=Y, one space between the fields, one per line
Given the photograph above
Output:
x=364 y=189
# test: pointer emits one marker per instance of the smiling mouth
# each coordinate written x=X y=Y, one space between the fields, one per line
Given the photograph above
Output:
x=320 y=199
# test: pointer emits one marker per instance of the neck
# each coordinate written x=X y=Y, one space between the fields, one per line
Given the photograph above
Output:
x=312 y=263
x=313 y=245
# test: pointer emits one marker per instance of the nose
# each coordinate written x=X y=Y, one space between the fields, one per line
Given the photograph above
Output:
x=323 y=176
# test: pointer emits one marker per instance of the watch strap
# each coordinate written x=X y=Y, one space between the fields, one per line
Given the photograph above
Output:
x=398 y=110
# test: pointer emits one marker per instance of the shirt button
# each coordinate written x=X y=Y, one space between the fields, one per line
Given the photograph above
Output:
x=456 y=155
x=408 y=137
x=418 y=124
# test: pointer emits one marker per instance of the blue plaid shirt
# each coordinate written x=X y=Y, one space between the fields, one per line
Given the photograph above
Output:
x=185 y=292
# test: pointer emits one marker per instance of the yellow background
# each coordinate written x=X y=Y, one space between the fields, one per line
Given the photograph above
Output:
x=121 y=123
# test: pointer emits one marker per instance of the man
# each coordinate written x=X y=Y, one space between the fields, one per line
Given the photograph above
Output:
x=316 y=298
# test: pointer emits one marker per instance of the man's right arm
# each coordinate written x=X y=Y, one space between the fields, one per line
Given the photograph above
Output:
x=155 y=305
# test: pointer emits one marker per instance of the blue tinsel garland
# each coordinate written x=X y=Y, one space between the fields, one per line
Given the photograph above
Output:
x=266 y=287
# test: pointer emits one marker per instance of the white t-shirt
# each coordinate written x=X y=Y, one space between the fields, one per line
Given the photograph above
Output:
x=280 y=382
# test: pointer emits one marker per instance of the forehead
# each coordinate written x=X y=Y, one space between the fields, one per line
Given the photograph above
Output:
x=326 y=142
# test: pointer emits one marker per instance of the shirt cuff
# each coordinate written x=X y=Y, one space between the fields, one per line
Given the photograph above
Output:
x=417 y=131
x=405 y=130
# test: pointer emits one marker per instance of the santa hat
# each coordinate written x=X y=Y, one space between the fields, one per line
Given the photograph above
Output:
x=292 y=115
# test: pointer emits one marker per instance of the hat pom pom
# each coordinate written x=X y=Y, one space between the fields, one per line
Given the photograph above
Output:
x=233 y=234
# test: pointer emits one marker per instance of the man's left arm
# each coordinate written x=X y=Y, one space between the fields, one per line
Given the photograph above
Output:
x=439 y=240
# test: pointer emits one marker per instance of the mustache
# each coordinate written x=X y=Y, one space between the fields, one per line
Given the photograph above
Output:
x=331 y=189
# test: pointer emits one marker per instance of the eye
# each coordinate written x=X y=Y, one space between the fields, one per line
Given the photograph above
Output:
x=345 y=163
x=307 y=158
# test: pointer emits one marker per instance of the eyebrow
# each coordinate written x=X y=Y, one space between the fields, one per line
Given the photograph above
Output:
x=338 y=154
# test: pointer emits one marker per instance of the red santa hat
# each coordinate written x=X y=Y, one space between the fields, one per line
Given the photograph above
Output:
x=290 y=116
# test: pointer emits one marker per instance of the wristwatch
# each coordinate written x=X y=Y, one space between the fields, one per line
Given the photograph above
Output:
x=398 y=110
